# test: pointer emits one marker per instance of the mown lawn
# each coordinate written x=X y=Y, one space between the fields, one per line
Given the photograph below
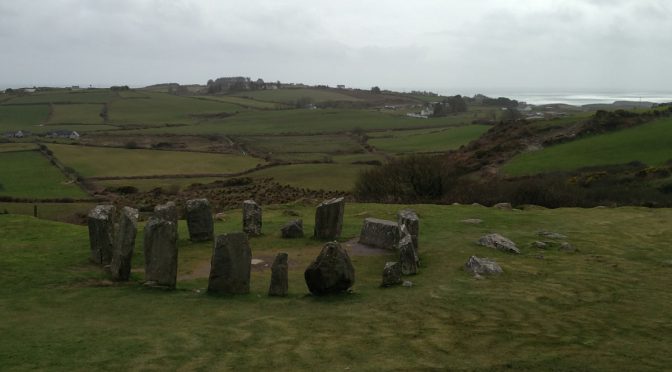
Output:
x=605 y=307
x=28 y=174
x=22 y=117
x=302 y=144
x=106 y=161
x=427 y=140
x=648 y=143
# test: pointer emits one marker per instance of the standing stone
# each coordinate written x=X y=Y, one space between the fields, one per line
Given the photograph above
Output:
x=160 y=248
x=101 y=233
x=199 y=220
x=410 y=219
x=251 y=218
x=168 y=212
x=292 y=229
x=124 y=244
x=331 y=272
x=279 y=276
x=380 y=233
x=391 y=274
x=329 y=219
x=231 y=265
x=407 y=255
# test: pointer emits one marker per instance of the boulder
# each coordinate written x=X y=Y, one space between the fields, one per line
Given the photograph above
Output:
x=292 y=229
x=329 y=219
x=391 y=274
x=539 y=244
x=498 y=242
x=279 y=276
x=251 y=218
x=408 y=256
x=124 y=244
x=160 y=246
x=566 y=247
x=410 y=220
x=503 y=206
x=551 y=235
x=482 y=266
x=380 y=233
x=101 y=233
x=331 y=272
x=231 y=265
x=199 y=220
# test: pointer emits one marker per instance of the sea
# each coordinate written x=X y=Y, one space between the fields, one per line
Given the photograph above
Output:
x=581 y=98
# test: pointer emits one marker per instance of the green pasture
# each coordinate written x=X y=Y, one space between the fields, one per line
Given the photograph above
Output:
x=428 y=140
x=603 y=308
x=330 y=176
x=17 y=146
x=70 y=212
x=60 y=96
x=291 y=95
x=14 y=118
x=245 y=102
x=76 y=114
x=302 y=144
x=107 y=161
x=648 y=143
x=147 y=184
x=28 y=174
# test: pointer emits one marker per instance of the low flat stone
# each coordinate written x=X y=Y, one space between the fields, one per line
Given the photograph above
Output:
x=473 y=221
x=498 y=242
x=380 y=233
x=551 y=235
x=292 y=229
x=391 y=274
x=567 y=247
x=503 y=206
x=539 y=244
x=482 y=266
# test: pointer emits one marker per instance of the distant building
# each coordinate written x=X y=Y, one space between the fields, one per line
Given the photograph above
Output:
x=17 y=134
x=341 y=86
x=71 y=134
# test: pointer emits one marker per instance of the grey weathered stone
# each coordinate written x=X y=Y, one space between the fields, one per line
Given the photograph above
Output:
x=473 y=221
x=279 y=276
x=407 y=283
x=331 y=272
x=292 y=229
x=566 y=247
x=408 y=256
x=329 y=218
x=482 y=266
x=168 y=212
x=124 y=244
x=380 y=233
x=551 y=235
x=251 y=218
x=498 y=242
x=231 y=265
x=199 y=220
x=410 y=220
x=503 y=206
x=101 y=233
x=160 y=246
x=391 y=274
x=539 y=244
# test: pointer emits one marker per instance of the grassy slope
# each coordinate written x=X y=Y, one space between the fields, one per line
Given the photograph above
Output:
x=85 y=96
x=244 y=102
x=337 y=177
x=48 y=211
x=99 y=161
x=649 y=143
x=13 y=118
x=28 y=174
x=289 y=144
x=76 y=114
x=429 y=141
x=18 y=146
x=604 y=308
x=292 y=95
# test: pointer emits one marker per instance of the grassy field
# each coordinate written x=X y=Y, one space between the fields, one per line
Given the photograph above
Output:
x=105 y=162
x=76 y=114
x=427 y=140
x=13 y=118
x=245 y=102
x=605 y=307
x=48 y=211
x=28 y=174
x=60 y=96
x=289 y=96
x=302 y=144
x=332 y=177
x=649 y=143
x=18 y=146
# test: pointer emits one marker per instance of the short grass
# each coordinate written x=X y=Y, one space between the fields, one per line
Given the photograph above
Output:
x=290 y=96
x=302 y=144
x=28 y=174
x=18 y=146
x=14 y=118
x=427 y=141
x=76 y=114
x=603 y=308
x=60 y=96
x=331 y=176
x=160 y=108
x=106 y=162
x=48 y=211
x=245 y=102
x=649 y=143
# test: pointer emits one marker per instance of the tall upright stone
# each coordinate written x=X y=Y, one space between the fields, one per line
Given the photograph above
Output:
x=380 y=233
x=329 y=219
x=331 y=272
x=124 y=244
x=231 y=265
x=167 y=211
x=251 y=218
x=160 y=246
x=410 y=220
x=279 y=276
x=408 y=257
x=101 y=233
x=199 y=220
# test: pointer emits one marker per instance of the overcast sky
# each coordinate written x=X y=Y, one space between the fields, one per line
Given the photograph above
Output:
x=444 y=45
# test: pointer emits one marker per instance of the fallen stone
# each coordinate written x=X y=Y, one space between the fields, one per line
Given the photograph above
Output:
x=279 y=276
x=380 y=233
x=251 y=218
x=473 y=221
x=329 y=219
x=482 y=266
x=124 y=244
x=410 y=220
x=160 y=247
x=230 y=265
x=498 y=242
x=408 y=257
x=199 y=220
x=331 y=272
x=407 y=283
x=551 y=235
x=566 y=247
x=221 y=216
x=256 y=261
x=539 y=244
x=503 y=206
x=101 y=233
x=391 y=274
x=292 y=229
